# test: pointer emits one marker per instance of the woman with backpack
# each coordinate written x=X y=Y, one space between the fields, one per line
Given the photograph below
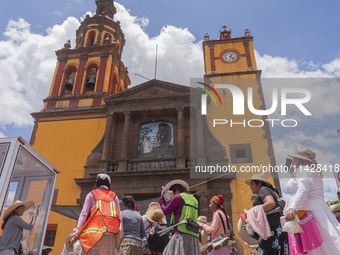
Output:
x=276 y=241
x=154 y=221
x=219 y=225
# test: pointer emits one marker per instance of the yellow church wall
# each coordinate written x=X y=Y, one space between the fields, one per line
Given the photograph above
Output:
x=252 y=55
x=66 y=144
x=65 y=227
x=85 y=102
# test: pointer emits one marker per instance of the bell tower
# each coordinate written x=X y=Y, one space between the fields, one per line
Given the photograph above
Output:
x=93 y=68
x=231 y=60
x=74 y=119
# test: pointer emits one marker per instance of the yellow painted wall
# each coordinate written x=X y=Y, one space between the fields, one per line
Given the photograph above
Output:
x=66 y=144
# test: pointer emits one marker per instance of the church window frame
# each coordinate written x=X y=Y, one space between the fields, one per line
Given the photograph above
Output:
x=91 y=38
x=67 y=73
x=85 y=89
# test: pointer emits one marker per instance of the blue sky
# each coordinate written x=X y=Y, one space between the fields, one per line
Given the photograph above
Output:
x=292 y=39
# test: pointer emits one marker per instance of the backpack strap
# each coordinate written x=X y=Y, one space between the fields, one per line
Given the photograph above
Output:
x=222 y=222
x=230 y=233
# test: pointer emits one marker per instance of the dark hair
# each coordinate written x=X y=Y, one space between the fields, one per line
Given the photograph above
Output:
x=129 y=202
x=101 y=182
x=177 y=187
x=263 y=184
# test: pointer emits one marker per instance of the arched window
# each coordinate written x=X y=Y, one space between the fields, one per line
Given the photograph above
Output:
x=107 y=39
x=79 y=40
x=90 y=82
x=69 y=80
x=90 y=38
x=113 y=85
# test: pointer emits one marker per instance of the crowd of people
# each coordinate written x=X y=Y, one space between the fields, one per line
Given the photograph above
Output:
x=103 y=228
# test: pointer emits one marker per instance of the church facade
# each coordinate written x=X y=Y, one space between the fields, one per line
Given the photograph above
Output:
x=143 y=136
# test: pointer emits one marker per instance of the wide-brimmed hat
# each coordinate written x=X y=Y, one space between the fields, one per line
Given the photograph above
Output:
x=155 y=214
x=244 y=234
x=68 y=243
x=335 y=208
x=181 y=182
x=258 y=177
x=201 y=220
x=16 y=204
x=303 y=152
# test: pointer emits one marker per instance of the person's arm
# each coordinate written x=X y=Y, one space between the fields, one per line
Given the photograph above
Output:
x=89 y=200
x=18 y=221
x=304 y=186
x=120 y=215
x=214 y=224
x=175 y=202
x=142 y=229
x=269 y=203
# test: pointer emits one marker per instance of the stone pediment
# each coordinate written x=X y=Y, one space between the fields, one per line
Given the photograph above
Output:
x=151 y=89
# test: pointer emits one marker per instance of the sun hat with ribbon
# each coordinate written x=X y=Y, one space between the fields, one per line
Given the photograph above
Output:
x=258 y=177
x=303 y=152
x=15 y=205
x=155 y=214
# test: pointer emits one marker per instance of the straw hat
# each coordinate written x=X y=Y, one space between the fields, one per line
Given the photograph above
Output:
x=258 y=177
x=68 y=243
x=15 y=205
x=303 y=152
x=155 y=214
x=335 y=208
x=244 y=234
x=201 y=220
x=181 y=182
x=239 y=246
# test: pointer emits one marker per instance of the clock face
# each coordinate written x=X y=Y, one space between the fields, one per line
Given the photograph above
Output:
x=229 y=56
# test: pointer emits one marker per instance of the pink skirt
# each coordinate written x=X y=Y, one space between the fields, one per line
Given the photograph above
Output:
x=309 y=239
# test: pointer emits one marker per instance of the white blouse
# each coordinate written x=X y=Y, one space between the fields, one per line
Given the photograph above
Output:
x=305 y=190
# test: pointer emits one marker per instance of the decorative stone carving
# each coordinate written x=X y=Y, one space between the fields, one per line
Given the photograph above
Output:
x=93 y=158
x=153 y=91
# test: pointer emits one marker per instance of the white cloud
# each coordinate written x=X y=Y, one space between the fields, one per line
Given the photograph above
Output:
x=27 y=62
x=176 y=49
x=58 y=13
x=281 y=67
x=2 y=135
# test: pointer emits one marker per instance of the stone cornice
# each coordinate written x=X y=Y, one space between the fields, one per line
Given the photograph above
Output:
x=69 y=112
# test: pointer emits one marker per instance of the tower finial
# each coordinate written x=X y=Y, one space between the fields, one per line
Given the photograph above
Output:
x=105 y=7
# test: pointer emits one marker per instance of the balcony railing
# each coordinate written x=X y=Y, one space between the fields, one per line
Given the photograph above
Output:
x=151 y=164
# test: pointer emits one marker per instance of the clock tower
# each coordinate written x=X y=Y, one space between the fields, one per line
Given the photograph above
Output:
x=231 y=60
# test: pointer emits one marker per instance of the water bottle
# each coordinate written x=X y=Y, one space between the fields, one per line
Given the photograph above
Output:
x=152 y=231
x=164 y=191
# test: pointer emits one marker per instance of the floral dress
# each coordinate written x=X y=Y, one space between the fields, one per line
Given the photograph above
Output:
x=277 y=244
